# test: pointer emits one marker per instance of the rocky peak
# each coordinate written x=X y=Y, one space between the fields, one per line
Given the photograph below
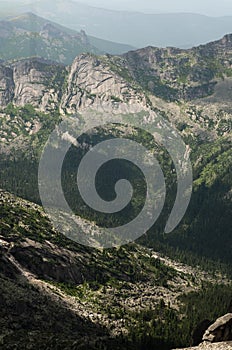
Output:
x=219 y=49
x=224 y=43
x=93 y=84
x=84 y=38
x=112 y=82
x=227 y=40
x=175 y=74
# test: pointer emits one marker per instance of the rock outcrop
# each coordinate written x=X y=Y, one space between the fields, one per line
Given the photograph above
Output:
x=93 y=84
x=37 y=83
x=31 y=81
x=221 y=330
x=6 y=85
x=88 y=83
x=218 y=336
x=210 y=346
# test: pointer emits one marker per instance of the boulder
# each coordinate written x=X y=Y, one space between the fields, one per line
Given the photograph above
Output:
x=219 y=331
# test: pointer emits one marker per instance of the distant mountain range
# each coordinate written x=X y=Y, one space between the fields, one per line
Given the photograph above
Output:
x=182 y=30
x=29 y=35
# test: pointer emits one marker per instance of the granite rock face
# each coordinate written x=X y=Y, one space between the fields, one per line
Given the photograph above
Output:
x=92 y=84
x=31 y=81
x=221 y=330
x=6 y=85
x=87 y=83
x=118 y=83
x=35 y=83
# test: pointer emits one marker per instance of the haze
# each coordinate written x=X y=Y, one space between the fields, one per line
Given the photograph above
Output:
x=206 y=7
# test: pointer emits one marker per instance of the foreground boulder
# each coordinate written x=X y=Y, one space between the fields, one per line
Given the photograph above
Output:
x=219 y=331
x=218 y=336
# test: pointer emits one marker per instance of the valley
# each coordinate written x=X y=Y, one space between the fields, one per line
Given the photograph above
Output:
x=152 y=293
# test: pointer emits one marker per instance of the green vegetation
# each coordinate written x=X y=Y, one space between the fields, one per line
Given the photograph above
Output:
x=159 y=326
x=119 y=284
x=209 y=209
x=116 y=99
x=166 y=329
x=107 y=282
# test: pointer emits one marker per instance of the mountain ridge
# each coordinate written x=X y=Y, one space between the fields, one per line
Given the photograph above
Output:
x=139 y=29
x=171 y=74
x=132 y=296
x=37 y=36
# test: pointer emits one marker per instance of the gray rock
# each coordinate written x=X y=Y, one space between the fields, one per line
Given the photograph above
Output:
x=219 y=331
x=212 y=346
x=6 y=85
x=93 y=84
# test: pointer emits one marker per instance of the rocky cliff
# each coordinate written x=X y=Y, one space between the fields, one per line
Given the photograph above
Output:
x=196 y=76
x=88 y=82
x=33 y=81
x=92 y=83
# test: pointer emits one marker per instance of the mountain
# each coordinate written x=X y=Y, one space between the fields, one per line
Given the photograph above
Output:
x=105 y=298
x=154 y=292
x=28 y=35
x=176 y=74
x=34 y=23
x=196 y=101
x=183 y=30
x=201 y=74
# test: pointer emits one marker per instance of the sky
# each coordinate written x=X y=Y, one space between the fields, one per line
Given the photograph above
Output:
x=206 y=7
